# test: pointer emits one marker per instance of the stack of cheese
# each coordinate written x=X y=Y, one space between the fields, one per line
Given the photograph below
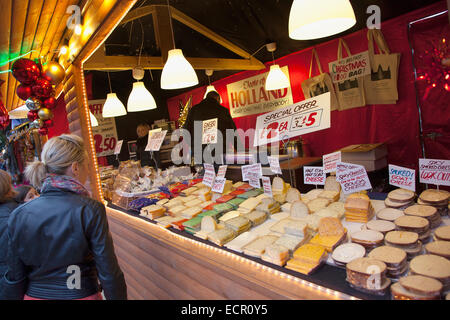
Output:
x=279 y=189
x=238 y=224
x=248 y=205
x=415 y=287
x=276 y=254
x=400 y=199
x=442 y=233
x=331 y=233
x=382 y=226
x=256 y=217
x=430 y=265
x=439 y=248
x=358 y=208
x=221 y=236
x=428 y=212
x=153 y=212
x=311 y=195
x=405 y=240
x=419 y=225
x=394 y=258
x=368 y=275
x=258 y=246
x=207 y=226
x=269 y=206
x=369 y=239
x=347 y=252
x=307 y=258
x=436 y=198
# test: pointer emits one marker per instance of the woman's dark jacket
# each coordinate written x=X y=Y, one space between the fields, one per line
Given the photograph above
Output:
x=5 y=210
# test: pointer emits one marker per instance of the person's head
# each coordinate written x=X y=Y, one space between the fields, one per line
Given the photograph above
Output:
x=213 y=95
x=7 y=191
x=62 y=155
x=142 y=129
x=26 y=193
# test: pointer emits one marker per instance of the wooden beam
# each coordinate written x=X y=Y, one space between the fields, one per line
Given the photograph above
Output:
x=163 y=30
x=138 y=13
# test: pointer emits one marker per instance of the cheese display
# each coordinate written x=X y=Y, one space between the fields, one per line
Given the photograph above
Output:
x=207 y=226
x=358 y=208
x=307 y=258
x=406 y=240
x=428 y=212
x=153 y=211
x=436 y=198
x=394 y=258
x=347 y=252
x=416 y=287
x=317 y=204
x=368 y=275
x=414 y=224
x=400 y=199
x=258 y=246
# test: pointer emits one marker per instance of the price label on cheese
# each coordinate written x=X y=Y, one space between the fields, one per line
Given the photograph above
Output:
x=402 y=177
x=314 y=175
x=253 y=179
x=434 y=171
x=155 y=140
x=267 y=186
x=255 y=168
x=209 y=175
x=354 y=179
x=218 y=185
x=274 y=163
x=209 y=131
x=222 y=171
x=118 y=147
x=330 y=161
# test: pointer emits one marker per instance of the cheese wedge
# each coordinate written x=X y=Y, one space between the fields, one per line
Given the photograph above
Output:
x=293 y=195
x=229 y=215
x=317 y=204
x=299 y=210
x=278 y=185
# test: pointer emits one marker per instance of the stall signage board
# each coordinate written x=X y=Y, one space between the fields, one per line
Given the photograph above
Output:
x=274 y=163
x=330 y=160
x=209 y=131
x=256 y=168
x=118 y=147
x=267 y=186
x=434 y=171
x=249 y=96
x=253 y=179
x=155 y=140
x=219 y=184
x=209 y=175
x=222 y=171
x=294 y=120
x=314 y=175
x=105 y=134
x=402 y=177
x=353 y=178
x=354 y=66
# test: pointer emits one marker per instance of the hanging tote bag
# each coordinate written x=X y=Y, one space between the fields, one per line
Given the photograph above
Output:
x=380 y=86
x=350 y=93
x=319 y=84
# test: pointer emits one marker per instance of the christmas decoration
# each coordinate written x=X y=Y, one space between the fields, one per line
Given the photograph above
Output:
x=184 y=110
x=54 y=72
x=49 y=103
x=32 y=115
x=33 y=103
x=4 y=116
x=45 y=114
x=23 y=91
x=25 y=71
x=42 y=88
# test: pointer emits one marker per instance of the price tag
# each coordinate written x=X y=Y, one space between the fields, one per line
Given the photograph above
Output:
x=222 y=171
x=218 y=185
x=274 y=163
x=255 y=168
x=209 y=131
x=208 y=177
x=330 y=161
x=434 y=171
x=314 y=175
x=118 y=147
x=402 y=177
x=267 y=186
x=254 y=180
x=354 y=179
x=155 y=140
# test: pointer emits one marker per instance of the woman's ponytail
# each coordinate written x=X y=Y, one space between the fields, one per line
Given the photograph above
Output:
x=35 y=172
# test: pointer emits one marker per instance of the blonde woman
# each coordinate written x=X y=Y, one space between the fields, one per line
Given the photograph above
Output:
x=60 y=244
x=7 y=205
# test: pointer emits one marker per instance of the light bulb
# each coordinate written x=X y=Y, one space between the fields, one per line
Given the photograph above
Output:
x=177 y=72
x=312 y=19
x=276 y=79
x=113 y=107
x=140 y=98
x=78 y=29
x=63 y=50
x=209 y=89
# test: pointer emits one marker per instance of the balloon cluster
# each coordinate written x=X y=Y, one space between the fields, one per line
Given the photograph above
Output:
x=36 y=89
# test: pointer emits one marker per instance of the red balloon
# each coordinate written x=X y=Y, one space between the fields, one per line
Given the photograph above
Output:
x=49 y=103
x=43 y=131
x=24 y=91
x=32 y=115
x=42 y=88
x=48 y=123
x=25 y=71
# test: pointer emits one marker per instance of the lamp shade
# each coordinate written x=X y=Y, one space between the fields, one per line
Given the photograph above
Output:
x=312 y=19
x=177 y=72
x=140 y=98
x=113 y=107
x=94 y=122
x=209 y=89
x=276 y=79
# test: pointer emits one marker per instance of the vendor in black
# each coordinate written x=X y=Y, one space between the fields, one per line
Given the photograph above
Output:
x=145 y=157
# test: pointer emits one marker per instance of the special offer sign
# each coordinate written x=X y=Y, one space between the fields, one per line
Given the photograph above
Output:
x=434 y=171
x=402 y=177
x=303 y=117
x=352 y=177
x=105 y=134
x=351 y=67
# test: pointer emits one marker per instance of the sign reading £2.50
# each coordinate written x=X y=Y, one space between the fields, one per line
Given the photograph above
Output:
x=105 y=134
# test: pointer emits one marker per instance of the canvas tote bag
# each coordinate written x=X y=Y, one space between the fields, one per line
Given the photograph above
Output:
x=350 y=93
x=319 y=84
x=380 y=86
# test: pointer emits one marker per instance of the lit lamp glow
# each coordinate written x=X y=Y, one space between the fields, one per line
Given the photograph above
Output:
x=311 y=19
x=209 y=89
x=63 y=50
x=78 y=29
x=113 y=107
x=276 y=79
x=177 y=72
x=94 y=122
x=140 y=98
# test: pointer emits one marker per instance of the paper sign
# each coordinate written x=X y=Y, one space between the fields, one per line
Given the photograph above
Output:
x=155 y=140
x=267 y=186
x=330 y=160
x=274 y=163
x=300 y=118
x=209 y=131
x=105 y=134
x=253 y=179
x=209 y=175
x=118 y=147
x=218 y=185
x=222 y=171
x=255 y=168
x=314 y=175
x=354 y=66
x=402 y=177
x=434 y=171
x=354 y=179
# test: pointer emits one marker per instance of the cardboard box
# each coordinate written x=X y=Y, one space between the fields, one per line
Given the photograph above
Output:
x=364 y=152
x=370 y=165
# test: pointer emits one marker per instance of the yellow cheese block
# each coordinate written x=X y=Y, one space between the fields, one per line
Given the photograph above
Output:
x=301 y=266
x=310 y=253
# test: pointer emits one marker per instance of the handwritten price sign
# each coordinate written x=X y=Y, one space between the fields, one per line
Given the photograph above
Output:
x=210 y=174
x=314 y=175
x=402 y=177
x=209 y=131
x=155 y=140
x=267 y=186
x=434 y=171
x=304 y=117
x=354 y=179
x=330 y=161
x=105 y=134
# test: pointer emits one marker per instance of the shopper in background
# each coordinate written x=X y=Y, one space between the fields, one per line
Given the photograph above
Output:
x=60 y=244
x=7 y=205
x=26 y=193
x=147 y=158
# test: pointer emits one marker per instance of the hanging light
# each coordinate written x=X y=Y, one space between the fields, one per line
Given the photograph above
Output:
x=312 y=19
x=177 y=72
x=140 y=98
x=210 y=87
x=113 y=107
x=276 y=79
x=94 y=122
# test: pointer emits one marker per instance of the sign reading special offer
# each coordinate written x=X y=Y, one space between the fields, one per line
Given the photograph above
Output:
x=249 y=96
x=351 y=67
x=300 y=118
x=105 y=134
x=402 y=177
x=434 y=171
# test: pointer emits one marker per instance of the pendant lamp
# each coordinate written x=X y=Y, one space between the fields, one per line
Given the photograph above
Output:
x=94 y=122
x=312 y=19
x=113 y=107
x=210 y=87
x=276 y=79
x=140 y=98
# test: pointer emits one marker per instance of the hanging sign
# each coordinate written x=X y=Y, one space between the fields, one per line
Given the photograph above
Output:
x=402 y=177
x=434 y=171
x=209 y=131
x=155 y=140
x=330 y=160
x=267 y=186
x=118 y=147
x=209 y=175
x=352 y=177
x=249 y=96
x=303 y=117
x=274 y=163
x=354 y=66
x=105 y=134
x=314 y=175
